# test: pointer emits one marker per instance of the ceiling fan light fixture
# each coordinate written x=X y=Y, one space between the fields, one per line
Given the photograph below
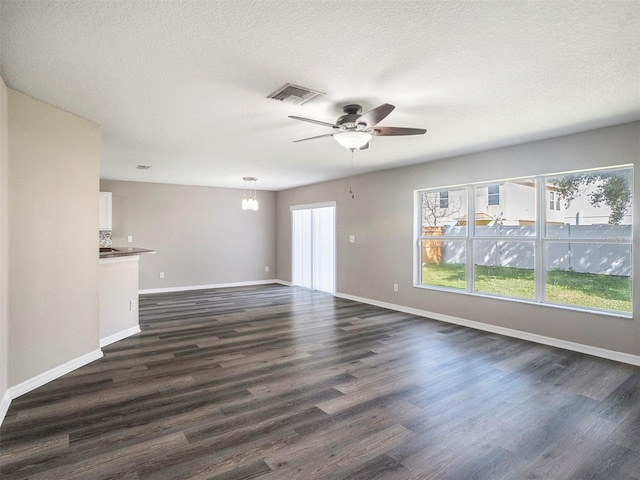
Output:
x=352 y=140
x=354 y=130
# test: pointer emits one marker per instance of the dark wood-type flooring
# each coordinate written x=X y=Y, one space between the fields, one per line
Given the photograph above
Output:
x=275 y=382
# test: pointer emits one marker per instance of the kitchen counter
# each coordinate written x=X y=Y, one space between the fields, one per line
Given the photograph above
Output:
x=111 y=252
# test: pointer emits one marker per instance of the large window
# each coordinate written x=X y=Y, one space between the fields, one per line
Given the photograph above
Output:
x=563 y=239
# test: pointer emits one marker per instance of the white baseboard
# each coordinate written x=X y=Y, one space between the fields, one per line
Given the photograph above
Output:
x=4 y=406
x=119 y=336
x=46 y=377
x=205 y=287
x=508 y=332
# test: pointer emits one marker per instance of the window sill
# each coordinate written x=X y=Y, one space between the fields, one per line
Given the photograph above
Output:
x=606 y=313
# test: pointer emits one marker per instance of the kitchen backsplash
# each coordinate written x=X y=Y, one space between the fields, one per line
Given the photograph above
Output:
x=105 y=238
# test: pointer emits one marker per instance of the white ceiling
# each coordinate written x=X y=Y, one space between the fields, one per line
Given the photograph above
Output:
x=182 y=85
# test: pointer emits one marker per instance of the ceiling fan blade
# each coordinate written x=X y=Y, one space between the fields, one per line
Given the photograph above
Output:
x=393 y=131
x=313 y=138
x=318 y=122
x=376 y=115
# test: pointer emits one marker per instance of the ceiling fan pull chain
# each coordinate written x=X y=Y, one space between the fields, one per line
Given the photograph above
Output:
x=351 y=192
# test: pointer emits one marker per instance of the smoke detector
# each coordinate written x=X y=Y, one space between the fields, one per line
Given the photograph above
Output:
x=294 y=94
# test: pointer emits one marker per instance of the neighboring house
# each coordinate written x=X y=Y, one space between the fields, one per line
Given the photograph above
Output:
x=506 y=203
x=581 y=212
x=513 y=203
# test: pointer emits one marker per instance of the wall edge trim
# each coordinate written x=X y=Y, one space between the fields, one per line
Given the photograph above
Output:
x=508 y=332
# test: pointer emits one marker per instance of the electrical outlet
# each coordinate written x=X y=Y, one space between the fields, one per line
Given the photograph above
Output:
x=132 y=305
x=266 y=269
x=395 y=287
x=352 y=239
x=161 y=274
x=130 y=239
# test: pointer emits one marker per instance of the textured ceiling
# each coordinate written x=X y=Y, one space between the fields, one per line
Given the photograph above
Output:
x=182 y=85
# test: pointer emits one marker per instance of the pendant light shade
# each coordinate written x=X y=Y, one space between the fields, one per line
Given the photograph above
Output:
x=250 y=199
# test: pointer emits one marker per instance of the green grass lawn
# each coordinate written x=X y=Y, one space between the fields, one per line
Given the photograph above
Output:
x=606 y=292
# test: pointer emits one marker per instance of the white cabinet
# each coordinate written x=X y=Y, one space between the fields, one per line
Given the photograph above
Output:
x=105 y=211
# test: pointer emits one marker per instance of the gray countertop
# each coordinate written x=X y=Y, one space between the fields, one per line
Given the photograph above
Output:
x=111 y=252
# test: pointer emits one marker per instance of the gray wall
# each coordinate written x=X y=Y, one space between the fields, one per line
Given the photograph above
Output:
x=381 y=218
x=200 y=234
x=54 y=162
x=4 y=286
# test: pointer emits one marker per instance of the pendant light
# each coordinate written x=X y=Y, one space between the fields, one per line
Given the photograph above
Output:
x=250 y=198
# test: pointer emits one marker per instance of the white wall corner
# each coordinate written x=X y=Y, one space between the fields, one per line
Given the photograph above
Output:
x=507 y=332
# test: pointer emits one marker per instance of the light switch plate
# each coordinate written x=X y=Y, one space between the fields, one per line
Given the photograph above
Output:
x=352 y=239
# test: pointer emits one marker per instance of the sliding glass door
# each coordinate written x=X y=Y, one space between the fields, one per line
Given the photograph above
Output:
x=313 y=246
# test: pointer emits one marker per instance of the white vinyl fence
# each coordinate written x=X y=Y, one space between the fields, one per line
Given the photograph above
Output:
x=571 y=251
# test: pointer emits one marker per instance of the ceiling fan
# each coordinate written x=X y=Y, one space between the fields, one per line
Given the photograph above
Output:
x=354 y=130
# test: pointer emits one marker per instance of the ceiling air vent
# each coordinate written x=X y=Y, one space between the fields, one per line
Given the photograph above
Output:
x=143 y=167
x=294 y=94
